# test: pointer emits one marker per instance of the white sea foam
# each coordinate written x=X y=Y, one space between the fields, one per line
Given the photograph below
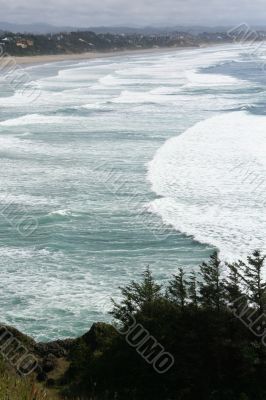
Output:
x=22 y=253
x=195 y=78
x=129 y=97
x=35 y=119
x=61 y=213
x=92 y=106
x=212 y=182
x=24 y=200
x=74 y=261
x=20 y=98
x=110 y=80
x=114 y=81
x=165 y=90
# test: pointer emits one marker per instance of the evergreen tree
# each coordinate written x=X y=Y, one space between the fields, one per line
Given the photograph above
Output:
x=251 y=274
x=211 y=290
x=177 y=290
x=217 y=356
x=192 y=289
x=233 y=283
x=136 y=295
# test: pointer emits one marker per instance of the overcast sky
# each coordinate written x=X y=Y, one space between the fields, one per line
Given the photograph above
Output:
x=134 y=12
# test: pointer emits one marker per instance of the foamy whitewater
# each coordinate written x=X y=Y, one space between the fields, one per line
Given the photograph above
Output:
x=150 y=159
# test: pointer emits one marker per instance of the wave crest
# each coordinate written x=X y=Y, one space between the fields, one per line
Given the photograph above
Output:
x=212 y=182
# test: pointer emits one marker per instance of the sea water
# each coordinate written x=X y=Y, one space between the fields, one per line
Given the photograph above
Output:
x=146 y=159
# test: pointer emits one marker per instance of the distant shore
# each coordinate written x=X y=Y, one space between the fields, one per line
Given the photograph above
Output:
x=23 y=60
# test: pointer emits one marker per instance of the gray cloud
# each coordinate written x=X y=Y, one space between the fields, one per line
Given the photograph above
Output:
x=134 y=12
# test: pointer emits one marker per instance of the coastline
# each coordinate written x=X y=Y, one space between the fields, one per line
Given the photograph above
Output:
x=30 y=60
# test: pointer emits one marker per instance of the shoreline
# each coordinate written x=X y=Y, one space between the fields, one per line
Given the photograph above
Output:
x=32 y=60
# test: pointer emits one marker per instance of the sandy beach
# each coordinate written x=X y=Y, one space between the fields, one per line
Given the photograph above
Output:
x=24 y=60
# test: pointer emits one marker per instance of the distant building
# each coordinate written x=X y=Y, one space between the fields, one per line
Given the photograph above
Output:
x=24 y=43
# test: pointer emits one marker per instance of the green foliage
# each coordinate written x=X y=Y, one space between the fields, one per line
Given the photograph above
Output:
x=15 y=388
x=87 y=41
x=177 y=290
x=212 y=292
x=137 y=295
x=216 y=356
x=192 y=289
x=233 y=283
x=251 y=275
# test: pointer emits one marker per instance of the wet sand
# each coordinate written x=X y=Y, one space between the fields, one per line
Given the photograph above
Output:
x=82 y=56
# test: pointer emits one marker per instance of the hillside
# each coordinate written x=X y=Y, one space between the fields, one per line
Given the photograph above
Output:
x=200 y=337
x=86 y=41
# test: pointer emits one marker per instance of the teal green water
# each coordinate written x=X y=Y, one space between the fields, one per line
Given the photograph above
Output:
x=76 y=159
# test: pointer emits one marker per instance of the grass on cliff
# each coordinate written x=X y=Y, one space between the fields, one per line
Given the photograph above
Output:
x=13 y=388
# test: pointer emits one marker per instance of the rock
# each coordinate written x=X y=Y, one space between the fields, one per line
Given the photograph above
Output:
x=8 y=331
x=98 y=335
x=50 y=382
x=58 y=348
x=42 y=377
x=49 y=363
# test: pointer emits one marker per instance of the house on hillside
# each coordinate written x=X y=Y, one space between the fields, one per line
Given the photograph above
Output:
x=24 y=43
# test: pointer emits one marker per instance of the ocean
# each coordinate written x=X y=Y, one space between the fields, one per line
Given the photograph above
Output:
x=115 y=164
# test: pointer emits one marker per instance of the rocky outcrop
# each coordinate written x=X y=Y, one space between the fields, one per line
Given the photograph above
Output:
x=95 y=338
x=53 y=356
x=58 y=348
